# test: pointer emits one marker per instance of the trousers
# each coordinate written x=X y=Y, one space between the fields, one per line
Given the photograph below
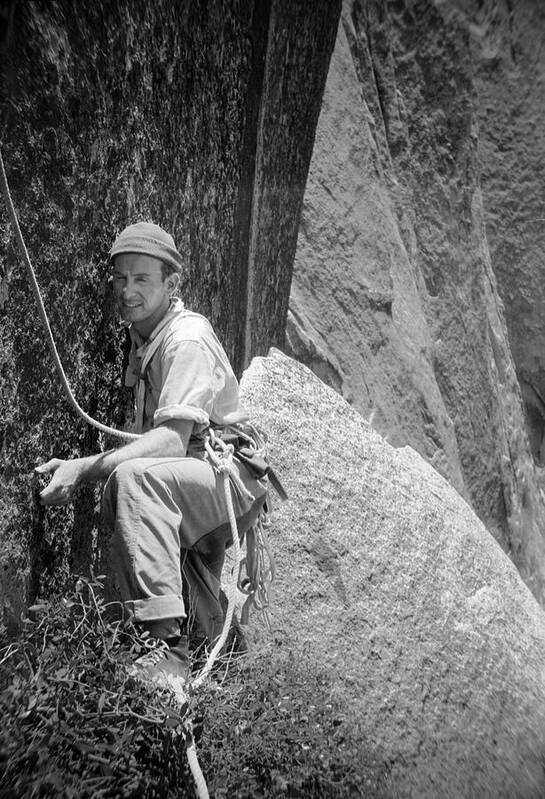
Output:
x=170 y=528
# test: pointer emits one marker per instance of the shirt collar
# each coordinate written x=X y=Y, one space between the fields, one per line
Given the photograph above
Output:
x=139 y=343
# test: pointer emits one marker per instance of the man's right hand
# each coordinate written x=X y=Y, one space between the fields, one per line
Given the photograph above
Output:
x=66 y=476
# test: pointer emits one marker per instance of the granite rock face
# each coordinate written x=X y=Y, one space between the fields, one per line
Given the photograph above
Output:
x=394 y=299
x=507 y=46
x=197 y=115
x=388 y=580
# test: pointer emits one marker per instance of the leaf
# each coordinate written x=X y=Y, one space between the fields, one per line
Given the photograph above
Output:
x=101 y=702
x=83 y=747
x=172 y=713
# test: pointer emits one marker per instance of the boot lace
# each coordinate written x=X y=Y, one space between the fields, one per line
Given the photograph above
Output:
x=157 y=652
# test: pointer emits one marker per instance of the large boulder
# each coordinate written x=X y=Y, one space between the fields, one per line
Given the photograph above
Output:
x=387 y=578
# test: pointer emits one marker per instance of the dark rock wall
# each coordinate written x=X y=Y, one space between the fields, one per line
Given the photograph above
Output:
x=291 y=107
x=114 y=112
x=394 y=299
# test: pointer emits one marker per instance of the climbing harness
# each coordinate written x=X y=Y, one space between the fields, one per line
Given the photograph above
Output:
x=251 y=574
x=256 y=570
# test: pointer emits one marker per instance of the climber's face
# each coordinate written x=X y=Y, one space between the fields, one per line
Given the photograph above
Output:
x=141 y=291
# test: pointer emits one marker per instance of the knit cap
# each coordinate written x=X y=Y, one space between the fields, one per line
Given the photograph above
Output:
x=148 y=239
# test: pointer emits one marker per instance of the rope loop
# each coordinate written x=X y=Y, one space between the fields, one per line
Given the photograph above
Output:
x=257 y=571
x=221 y=456
x=231 y=588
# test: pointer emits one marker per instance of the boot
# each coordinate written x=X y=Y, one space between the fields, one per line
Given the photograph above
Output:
x=167 y=663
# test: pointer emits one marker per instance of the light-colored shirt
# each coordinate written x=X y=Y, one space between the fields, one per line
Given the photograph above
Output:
x=187 y=374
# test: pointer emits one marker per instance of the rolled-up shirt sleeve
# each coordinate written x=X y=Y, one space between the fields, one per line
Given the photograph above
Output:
x=188 y=383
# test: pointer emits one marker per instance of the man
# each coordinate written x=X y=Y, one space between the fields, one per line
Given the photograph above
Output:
x=163 y=498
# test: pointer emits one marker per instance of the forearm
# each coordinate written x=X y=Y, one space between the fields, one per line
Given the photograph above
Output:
x=168 y=441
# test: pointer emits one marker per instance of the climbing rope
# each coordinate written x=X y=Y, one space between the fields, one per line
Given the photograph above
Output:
x=198 y=777
x=221 y=457
x=257 y=571
x=43 y=315
x=222 y=460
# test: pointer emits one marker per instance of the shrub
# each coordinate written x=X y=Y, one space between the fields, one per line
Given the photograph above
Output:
x=74 y=725
x=271 y=729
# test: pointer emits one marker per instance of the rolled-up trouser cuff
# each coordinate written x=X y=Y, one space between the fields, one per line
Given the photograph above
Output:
x=169 y=606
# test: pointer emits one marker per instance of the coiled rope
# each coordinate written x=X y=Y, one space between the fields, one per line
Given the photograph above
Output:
x=222 y=461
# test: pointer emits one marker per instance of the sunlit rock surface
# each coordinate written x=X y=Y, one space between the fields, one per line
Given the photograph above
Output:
x=388 y=580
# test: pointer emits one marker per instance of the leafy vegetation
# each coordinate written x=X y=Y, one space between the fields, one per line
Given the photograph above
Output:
x=272 y=730
x=75 y=725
